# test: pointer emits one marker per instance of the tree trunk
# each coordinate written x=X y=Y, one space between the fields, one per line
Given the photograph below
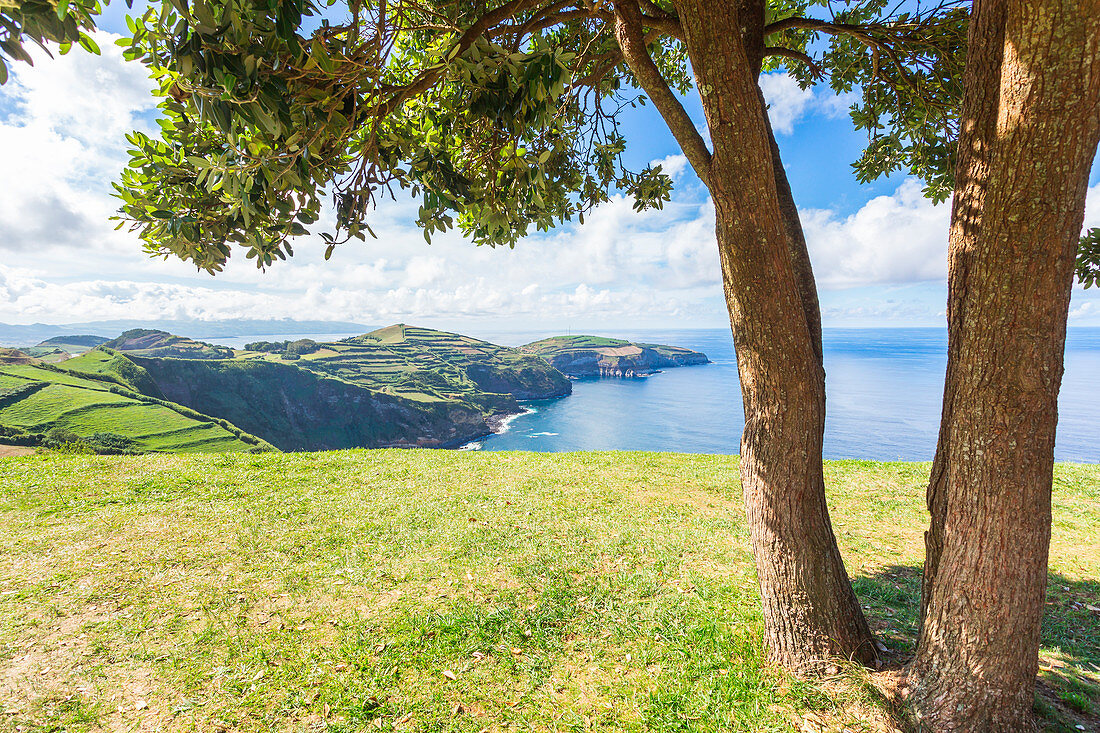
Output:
x=981 y=98
x=811 y=613
x=796 y=246
x=1031 y=123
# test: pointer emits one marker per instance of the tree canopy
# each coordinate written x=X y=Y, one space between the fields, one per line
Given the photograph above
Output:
x=500 y=119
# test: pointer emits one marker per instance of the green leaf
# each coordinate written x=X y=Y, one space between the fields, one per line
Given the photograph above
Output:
x=88 y=44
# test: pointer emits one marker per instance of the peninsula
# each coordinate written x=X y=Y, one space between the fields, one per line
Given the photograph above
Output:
x=400 y=386
x=597 y=356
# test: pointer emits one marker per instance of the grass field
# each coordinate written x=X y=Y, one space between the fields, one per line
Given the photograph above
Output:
x=86 y=406
x=442 y=591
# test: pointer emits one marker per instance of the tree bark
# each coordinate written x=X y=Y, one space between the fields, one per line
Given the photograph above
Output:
x=985 y=46
x=1031 y=124
x=796 y=246
x=811 y=613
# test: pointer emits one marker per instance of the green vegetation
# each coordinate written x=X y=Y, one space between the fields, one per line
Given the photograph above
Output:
x=104 y=409
x=586 y=356
x=301 y=346
x=397 y=386
x=423 y=590
x=76 y=344
x=48 y=354
x=426 y=364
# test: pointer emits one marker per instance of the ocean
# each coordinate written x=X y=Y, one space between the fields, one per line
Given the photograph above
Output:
x=884 y=389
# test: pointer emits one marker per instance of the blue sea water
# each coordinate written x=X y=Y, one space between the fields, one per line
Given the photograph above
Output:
x=884 y=389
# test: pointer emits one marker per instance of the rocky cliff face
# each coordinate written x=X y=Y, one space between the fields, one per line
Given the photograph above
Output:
x=529 y=379
x=295 y=409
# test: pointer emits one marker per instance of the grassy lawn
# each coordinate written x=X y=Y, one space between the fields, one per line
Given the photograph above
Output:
x=443 y=591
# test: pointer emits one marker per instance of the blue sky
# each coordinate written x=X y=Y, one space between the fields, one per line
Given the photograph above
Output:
x=879 y=250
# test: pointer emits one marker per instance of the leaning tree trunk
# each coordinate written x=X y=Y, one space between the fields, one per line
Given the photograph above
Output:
x=811 y=613
x=1031 y=123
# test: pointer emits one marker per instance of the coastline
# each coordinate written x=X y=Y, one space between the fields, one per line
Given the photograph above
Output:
x=498 y=423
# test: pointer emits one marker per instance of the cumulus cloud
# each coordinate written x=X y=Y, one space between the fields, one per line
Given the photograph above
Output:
x=901 y=238
x=62 y=135
x=61 y=127
x=1092 y=207
x=788 y=103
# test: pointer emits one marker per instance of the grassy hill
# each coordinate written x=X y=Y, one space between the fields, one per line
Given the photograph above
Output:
x=437 y=591
x=108 y=400
x=75 y=344
x=397 y=386
x=161 y=344
x=587 y=356
x=429 y=365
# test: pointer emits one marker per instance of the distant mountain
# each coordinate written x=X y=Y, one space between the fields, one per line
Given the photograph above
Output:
x=23 y=335
x=590 y=356
x=83 y=342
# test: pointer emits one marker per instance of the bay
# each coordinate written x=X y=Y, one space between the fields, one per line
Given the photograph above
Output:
x=884 y=389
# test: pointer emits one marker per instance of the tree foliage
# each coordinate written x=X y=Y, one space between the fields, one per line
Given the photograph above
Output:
x=1088 y=258
x=38 y=21
x=500 y=120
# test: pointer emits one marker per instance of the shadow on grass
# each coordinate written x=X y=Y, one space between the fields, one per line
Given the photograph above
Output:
x=1069 y=677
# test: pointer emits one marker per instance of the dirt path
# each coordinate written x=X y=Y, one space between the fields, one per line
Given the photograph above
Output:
x=15 y=450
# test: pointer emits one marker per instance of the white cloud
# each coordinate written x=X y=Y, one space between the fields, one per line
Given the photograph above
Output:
x=673 y=165
x=901 y=238
x=788 y=103
x=1092 y=207
x=61 y=127
x=62 y=137
x=786 y=100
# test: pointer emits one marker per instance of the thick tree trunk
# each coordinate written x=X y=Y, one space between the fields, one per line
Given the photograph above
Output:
x=979 y=132
x=796 y=246
x=1030 y=130
x=811 y=613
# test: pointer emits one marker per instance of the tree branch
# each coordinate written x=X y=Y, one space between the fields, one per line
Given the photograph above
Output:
x=790 y=53
x=628 y=31
x=654 y=16
x=861 y=33
x=426 y=78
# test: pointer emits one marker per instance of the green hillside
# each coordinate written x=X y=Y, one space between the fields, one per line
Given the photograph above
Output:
x=74 y=344
x=154 y=343
x=461 y=592
x=300 y=409
x=104 y=405
x=427 y=364
x=397 y=386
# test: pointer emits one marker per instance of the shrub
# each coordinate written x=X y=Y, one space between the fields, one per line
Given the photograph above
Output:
x=302 y=346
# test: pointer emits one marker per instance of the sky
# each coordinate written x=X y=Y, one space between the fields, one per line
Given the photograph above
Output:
x=878 y=250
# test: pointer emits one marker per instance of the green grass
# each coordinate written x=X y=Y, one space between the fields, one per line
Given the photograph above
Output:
x=440 y=591
x=85 y=406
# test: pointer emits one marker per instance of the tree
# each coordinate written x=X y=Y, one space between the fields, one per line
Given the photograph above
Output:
x=502 y=118
x=1031 y=125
